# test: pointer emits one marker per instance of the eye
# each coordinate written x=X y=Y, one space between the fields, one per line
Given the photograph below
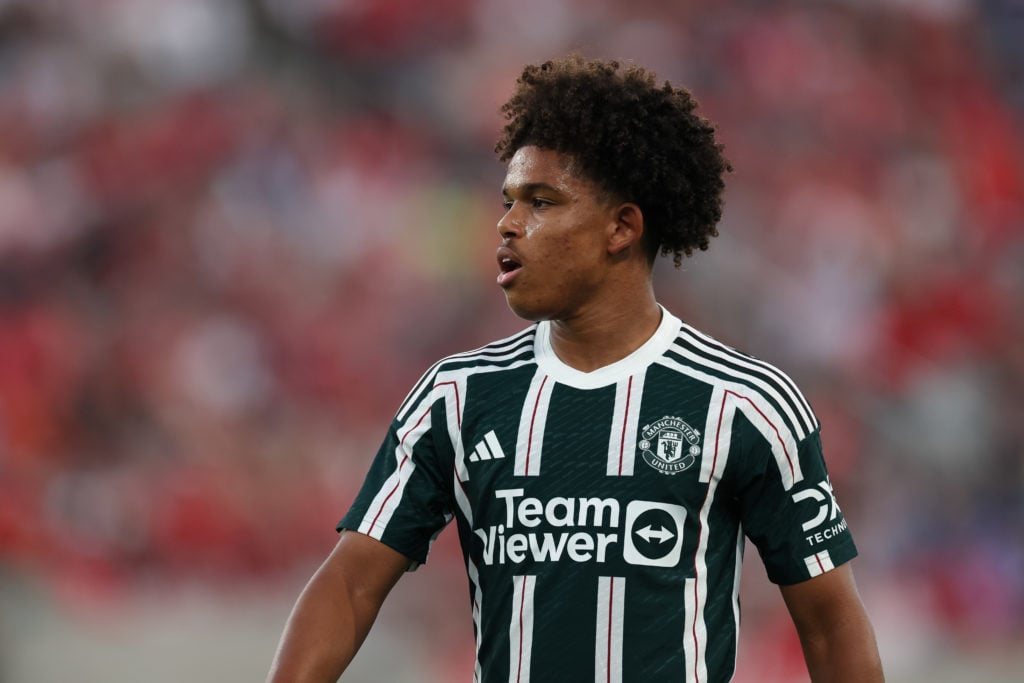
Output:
x=539 y=203
x=506 y=204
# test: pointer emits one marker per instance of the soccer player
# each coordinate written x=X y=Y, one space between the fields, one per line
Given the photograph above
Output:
x=604 y=465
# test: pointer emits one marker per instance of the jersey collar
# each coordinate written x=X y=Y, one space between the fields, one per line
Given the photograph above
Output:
x=635 y=362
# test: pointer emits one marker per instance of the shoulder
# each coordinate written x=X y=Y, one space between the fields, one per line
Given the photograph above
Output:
x=452 y=371
x=497 y=353
x=737 y=375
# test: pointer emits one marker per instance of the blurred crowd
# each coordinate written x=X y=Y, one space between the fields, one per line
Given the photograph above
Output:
x=234 y=232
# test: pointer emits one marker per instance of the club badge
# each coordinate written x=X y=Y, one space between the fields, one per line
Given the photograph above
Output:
x=669 y=445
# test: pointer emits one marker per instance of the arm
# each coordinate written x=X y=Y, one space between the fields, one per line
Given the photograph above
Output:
x=336 y=610
x=835 y=633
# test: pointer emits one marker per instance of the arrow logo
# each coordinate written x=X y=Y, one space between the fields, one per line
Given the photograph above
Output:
x=648 y=533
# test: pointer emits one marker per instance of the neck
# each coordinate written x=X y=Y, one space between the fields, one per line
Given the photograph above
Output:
x=590 y=341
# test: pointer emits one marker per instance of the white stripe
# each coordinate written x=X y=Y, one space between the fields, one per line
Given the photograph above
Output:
x=696 y=628
x=737 y=575
x=717 y=431
x=778 y=437
x=530 y=441
x=625 y=418
x=743 y=380
x=781 y=376
x=462 y=500
x=492 y=440
x=408 y=403
x=727 y=396
x=384 y=504
x=477 y=610
x=809 y=421
x=696 y=636
x=454 y=390
x=520 y=632
x=454 y=412
x=819 y=563
x=497 y=347
x=611 y=591
x=689 y=644
x=453 y=382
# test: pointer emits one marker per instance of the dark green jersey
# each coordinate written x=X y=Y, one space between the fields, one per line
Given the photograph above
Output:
x=602 y=515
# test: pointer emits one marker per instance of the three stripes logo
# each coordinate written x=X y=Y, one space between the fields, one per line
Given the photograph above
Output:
x=487 y=449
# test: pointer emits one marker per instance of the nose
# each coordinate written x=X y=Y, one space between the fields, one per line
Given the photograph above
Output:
x=509 y=226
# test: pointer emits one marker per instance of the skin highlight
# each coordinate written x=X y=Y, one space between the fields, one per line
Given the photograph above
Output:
x=583 y=262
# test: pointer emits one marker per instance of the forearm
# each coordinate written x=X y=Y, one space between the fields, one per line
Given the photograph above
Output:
x=843 y=652
x=323 y=633
x=335 y=611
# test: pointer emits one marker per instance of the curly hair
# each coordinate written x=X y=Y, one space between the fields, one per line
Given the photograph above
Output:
x=637 y=141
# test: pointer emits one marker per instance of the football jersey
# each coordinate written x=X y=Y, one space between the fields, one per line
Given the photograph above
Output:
x=602 y=515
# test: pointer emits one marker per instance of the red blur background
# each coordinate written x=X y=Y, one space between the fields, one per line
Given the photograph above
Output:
x=233 y=233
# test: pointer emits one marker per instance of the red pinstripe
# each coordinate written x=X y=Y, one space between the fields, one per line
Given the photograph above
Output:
x=405 y=458
x=789 y=460
x=700 y=532
x=533 y=419
x=458 y=410
x=625 y=421
x=611 y=603
x=522 y=606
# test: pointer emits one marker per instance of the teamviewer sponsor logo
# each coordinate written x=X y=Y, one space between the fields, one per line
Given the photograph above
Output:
x=535 y=530
x=654 y=533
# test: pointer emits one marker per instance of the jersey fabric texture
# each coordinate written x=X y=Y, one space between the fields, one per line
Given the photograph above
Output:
x=602 y=515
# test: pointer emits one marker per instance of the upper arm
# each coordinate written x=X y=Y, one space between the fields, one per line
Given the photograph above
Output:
x=407 y=495
x=336 y=610
x=363 y=567
x=835 y=633
x=797 y=526
x=816 y=603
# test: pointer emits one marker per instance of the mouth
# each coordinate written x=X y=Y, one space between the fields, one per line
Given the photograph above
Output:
x=509 y=266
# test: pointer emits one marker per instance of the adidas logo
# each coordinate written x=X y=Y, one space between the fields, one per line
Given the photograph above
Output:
x=488 y=449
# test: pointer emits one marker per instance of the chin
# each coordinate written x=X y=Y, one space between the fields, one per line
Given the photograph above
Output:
x=533 y=313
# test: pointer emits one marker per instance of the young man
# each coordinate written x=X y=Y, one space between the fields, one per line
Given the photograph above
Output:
x=604 y=465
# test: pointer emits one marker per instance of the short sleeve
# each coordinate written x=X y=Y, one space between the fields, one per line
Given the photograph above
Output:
x=406 y=498
x=800 y=532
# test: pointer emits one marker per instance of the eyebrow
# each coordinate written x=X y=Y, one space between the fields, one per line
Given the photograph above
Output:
x=529 y=188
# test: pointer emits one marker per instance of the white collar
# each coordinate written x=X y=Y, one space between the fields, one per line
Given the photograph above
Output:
x=635 y=362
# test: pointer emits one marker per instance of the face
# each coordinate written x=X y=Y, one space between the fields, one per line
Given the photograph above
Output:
x=554 y=251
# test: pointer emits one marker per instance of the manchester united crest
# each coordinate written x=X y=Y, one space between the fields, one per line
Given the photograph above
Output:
x=669 y=445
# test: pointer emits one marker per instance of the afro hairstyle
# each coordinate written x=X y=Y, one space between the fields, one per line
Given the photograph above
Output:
x=637 y=141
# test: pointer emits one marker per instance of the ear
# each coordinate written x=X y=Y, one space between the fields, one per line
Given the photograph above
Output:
x=625 y=229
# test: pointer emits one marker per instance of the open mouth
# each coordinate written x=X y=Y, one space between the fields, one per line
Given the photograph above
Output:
x=508 y=266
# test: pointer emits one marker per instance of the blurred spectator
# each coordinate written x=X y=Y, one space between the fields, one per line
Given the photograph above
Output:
x=231 y=232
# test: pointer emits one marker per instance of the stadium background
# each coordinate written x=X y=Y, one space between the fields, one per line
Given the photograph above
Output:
x=234 y=232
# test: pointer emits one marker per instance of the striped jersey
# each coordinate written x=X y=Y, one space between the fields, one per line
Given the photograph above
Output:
x=602 y=515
